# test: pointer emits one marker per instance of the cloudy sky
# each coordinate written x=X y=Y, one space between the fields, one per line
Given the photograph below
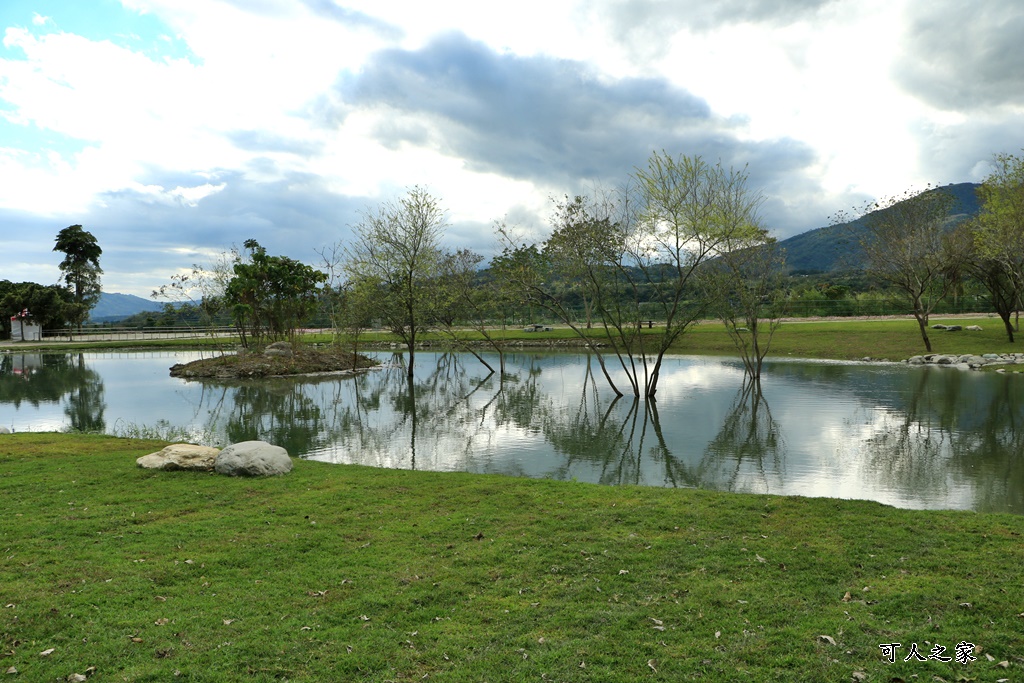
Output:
x=174 y=129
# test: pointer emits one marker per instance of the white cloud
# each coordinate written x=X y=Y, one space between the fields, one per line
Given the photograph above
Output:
x=495 y=107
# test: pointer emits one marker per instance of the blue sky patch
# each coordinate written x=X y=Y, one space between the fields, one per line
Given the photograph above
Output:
x=98 y=20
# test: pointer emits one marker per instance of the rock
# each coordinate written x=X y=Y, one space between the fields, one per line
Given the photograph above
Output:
x=939 y=326
x=253 y=459
x=280 y=348
x=953 y=328
x=973 y=328
x=180 y=456
x=916 y=360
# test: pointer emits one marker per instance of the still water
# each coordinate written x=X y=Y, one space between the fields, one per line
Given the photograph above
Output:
x=915 y=437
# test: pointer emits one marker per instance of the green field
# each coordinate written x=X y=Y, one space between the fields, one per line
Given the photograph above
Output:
x=843 y=339
x=339 y=573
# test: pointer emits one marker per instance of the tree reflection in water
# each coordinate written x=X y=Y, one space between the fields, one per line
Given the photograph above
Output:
x=914 y=437
x=38 y=378
x=735 y=459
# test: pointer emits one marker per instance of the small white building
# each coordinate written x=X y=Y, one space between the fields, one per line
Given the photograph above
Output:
x=25 y=330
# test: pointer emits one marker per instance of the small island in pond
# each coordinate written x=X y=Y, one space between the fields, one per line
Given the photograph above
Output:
x=277 y=360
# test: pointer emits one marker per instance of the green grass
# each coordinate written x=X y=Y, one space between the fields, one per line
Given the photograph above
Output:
x=339 y=573
x=894 y=339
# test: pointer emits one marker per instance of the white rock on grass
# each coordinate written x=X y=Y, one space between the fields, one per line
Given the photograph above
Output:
x=253 y=459
x=180 y=456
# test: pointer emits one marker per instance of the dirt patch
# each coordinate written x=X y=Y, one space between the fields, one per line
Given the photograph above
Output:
x=255 y=365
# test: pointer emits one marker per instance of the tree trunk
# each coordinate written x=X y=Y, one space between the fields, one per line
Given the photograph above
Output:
x=923 y=324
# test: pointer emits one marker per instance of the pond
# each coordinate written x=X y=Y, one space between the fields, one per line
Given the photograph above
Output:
x=915 y=437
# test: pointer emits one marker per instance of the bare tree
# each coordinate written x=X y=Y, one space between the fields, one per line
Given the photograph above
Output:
x=634 y=256
x=745 y=285
x=908 y=246
x=396 y=253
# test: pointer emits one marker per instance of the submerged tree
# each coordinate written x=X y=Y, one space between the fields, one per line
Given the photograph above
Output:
x=80 y=270
x=689 y=211
x=634 y=258
x=744 y=285
x=397 y=254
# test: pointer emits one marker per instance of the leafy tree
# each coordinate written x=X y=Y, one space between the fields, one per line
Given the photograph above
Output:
x=397 y=254
x=200 y=293
x=80 y=270
x=998 y=233
x=271 y=295
x=909 y=248
x=745 y=285
x=47 y=305
x=463 y=297
x=688 y=212
x=635 y=257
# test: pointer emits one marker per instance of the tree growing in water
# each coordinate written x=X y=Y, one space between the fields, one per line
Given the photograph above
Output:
x=397 y=254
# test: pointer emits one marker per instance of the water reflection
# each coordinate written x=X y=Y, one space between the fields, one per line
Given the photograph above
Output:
x=913 y=437
x=36 y=379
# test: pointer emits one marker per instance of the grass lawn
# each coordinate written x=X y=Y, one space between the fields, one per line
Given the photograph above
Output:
x=342 y=573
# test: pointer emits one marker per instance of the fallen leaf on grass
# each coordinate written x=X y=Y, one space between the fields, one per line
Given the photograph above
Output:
x=136 y=639
x=827 y=639
x=77 y=678
x=228 y=622
x=651 y=663
x=859 y=676
x=12 y=670
x=47 y=653
x=160 y=598
x=847 y=597
x=759 y=558
x=162 y=622
x=718 y=634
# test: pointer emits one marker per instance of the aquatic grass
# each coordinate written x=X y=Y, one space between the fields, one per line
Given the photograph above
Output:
x=338 y=572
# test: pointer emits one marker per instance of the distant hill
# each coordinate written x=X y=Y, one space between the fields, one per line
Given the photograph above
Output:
x=837 y=247
x=113 y=307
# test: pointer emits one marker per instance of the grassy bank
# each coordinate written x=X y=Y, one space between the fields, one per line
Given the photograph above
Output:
x=351 y=573
x=845 y=339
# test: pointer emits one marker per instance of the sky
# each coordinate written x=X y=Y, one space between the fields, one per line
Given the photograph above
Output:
x=173 y=130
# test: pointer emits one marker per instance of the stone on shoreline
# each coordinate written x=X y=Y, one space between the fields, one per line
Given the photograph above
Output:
x=180 y=456
x=253 y=459
x=967 y=361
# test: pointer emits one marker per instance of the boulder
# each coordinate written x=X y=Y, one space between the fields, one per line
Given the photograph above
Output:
x=953 y=328
x=180 y=456
x=281 y=348
x=973 y=328
x=253 y=459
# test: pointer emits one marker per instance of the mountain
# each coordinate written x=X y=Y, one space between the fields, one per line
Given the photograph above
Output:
x=113 y=307
x=837 y=247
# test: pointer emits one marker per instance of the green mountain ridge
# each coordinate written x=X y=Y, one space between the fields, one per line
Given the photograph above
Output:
x=837 y=247
x=113 y=306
